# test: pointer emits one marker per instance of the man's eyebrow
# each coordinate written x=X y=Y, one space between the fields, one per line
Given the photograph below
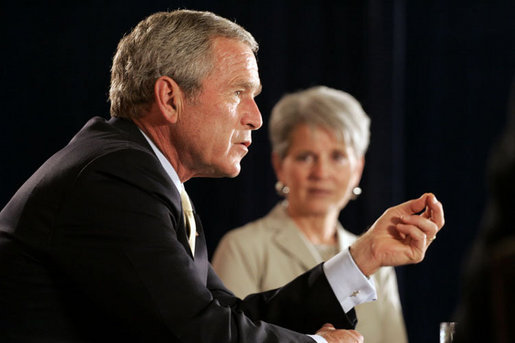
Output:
x=251 y=87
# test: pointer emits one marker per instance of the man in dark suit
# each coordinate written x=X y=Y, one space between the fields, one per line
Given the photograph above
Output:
x=95 y=246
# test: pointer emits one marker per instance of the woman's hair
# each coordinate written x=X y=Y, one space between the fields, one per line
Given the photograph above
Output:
x=320 y=106
x=175 y=44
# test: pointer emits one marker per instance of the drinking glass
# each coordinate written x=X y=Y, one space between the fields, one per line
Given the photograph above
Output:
x=447 y=330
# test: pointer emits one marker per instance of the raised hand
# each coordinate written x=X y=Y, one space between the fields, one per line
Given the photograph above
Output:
x=400 y=236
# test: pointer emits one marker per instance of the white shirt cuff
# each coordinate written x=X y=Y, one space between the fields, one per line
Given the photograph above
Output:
x=318 y=339
x=349 y=284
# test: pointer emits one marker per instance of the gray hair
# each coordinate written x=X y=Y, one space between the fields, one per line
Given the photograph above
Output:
x=322 y=106
x=175 y=44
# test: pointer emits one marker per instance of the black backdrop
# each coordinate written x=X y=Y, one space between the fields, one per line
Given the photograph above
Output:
x=434 y=77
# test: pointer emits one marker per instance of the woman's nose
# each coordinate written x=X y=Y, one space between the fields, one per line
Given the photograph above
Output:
x=321 y=168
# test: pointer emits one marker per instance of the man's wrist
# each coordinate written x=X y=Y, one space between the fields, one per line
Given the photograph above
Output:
x=363 y=257
x=318 y=338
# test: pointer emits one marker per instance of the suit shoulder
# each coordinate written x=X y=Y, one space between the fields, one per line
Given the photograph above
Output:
x=117 y=142
x=115 y=134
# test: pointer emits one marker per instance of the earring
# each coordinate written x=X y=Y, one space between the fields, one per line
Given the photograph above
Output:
x=281 y=189
x=356 y=191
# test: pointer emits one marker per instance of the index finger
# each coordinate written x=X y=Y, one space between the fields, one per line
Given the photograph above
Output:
x=436 y=207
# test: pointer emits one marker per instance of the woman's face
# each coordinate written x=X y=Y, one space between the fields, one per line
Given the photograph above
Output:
x=319 y=170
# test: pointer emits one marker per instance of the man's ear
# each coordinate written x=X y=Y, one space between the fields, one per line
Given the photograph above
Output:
x=169 y=98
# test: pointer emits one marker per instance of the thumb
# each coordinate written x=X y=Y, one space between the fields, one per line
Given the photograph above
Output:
x=415 y=205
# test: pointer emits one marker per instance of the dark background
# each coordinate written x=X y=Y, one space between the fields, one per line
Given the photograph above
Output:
x=434 y=76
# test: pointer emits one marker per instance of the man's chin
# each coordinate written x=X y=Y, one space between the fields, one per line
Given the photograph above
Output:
x=233 y=169
x=235 y=172
x=231 y=172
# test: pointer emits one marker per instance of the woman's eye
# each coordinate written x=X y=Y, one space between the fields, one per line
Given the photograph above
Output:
x=339 y=157
x=304 y=158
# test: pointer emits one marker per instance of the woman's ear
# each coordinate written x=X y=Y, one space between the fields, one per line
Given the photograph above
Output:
x=169 y=98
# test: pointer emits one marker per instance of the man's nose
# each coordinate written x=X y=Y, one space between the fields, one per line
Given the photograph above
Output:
x=252 y=117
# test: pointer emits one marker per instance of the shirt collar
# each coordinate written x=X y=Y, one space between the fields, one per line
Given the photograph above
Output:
x=170 y=171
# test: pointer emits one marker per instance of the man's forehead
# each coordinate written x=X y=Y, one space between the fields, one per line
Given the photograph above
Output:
x=234 y=59
x=228 y=48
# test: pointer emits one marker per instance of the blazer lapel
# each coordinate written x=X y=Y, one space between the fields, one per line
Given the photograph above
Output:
x=290 y=239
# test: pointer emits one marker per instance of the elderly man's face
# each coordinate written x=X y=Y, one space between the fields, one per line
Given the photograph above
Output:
x=216 y=127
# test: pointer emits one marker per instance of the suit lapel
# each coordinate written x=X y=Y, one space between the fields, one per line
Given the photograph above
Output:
x=200 y=260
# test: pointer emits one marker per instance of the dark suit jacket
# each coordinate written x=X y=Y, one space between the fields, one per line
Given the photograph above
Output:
x=93 y=248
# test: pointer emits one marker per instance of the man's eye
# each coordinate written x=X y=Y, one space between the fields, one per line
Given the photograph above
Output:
x=238 y=93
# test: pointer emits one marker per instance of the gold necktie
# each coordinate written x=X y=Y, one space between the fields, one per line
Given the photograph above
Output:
x=189 y=219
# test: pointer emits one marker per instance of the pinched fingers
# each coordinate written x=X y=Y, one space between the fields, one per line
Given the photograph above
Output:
x=415 y=243
x=424 y=228
x=427 y=206
x=435 y=209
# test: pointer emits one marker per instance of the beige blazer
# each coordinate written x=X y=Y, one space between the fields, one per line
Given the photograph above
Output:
x=271 y=251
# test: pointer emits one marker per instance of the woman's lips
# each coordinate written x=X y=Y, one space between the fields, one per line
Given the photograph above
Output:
x=319 y=191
